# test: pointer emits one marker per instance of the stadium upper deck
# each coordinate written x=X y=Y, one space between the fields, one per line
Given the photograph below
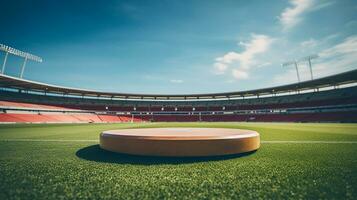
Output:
x=22 y=85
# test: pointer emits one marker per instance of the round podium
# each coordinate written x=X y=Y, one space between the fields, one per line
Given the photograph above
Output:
x=180 y=142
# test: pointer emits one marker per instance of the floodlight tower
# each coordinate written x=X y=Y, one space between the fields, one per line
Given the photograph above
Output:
x=308 y=59
x=9 y=50
x=295 y=63
x=5 y=59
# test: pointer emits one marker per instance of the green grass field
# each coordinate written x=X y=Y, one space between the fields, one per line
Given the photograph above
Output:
x=304 y=161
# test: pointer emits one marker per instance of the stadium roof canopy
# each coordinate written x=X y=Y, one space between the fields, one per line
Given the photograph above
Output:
x=10 y=82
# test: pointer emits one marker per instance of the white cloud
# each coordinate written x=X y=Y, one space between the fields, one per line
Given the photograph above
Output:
x=258 y=44
x=244 y=60
x=240 y=74
x=264 y=64
x=291 y=16
x=176 y=81
x=311 y=43
x=348 y=46
x=323 y=4
x=228 y=57
x=311 y=46
x=219 y=68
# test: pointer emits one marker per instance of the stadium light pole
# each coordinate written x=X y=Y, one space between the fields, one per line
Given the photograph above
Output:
x=295 y=63
x=4 y=63
x=308 y=59
x=16 y=52
x=23 y=67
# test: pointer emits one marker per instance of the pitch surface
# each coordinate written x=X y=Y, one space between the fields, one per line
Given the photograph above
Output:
x=64 y=162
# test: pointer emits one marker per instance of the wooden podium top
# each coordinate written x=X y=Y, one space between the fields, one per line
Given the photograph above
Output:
x=181 y=133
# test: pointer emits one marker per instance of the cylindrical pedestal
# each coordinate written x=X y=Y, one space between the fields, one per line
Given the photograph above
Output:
x=180 y=142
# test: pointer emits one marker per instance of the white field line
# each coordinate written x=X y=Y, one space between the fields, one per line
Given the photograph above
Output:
x=44 y=140
x=263 y=142
x=306 y=142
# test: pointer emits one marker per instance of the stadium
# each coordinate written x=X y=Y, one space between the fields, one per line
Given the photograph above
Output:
x=328 y=99
x=292 y=140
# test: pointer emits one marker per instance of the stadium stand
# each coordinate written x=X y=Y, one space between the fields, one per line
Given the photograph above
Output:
x=328 y=99
x=63 y=118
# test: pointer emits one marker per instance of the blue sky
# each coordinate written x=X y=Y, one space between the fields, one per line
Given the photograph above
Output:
x=178 y=46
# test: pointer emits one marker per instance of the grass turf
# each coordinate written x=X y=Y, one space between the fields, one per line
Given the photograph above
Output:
x=80 y=169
